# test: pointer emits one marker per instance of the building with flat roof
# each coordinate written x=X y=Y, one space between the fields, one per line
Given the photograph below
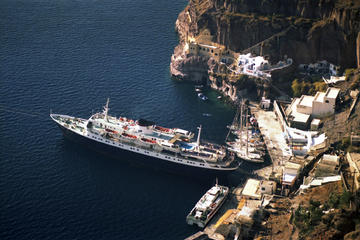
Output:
x=305 y=108
x=315 y=123
x=255 y=189
x=328 y=165
x=297 y=119
x=291 y=171
x=203 y=45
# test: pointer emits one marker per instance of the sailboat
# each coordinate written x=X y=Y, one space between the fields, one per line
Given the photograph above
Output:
x=249 y=148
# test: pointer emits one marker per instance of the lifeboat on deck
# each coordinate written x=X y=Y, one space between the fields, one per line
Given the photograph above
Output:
x=162 y=129
x=129 y=136
x=148 y=140
x=111 y=131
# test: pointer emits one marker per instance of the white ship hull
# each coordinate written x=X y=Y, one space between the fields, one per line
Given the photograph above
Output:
x=151 y=152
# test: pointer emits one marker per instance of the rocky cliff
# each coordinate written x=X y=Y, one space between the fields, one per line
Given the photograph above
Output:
x=304 y=30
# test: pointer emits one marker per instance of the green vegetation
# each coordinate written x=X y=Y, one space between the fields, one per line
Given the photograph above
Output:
x=338 y=201
x=355 y=84
x=302 y=87
x=306 y=219
x=349 y=73
x=346 y=146
x=345 y=143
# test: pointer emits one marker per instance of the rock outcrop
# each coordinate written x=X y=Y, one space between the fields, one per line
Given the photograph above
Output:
x=305 y=30
x=358 y=50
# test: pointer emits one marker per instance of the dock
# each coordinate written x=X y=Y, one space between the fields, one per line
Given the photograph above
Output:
x=277 y=147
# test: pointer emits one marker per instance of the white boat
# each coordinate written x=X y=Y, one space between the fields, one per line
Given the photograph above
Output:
x=207 y=206
x=202 y=96
x=167 y=146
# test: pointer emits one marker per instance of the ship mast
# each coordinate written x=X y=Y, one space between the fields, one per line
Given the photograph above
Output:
x=247 y=132
x=106 y=109
x=198 y=137
x=235 y=124
x=241 y=123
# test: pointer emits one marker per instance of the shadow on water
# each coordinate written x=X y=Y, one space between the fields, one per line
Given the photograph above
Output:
x=105 y=165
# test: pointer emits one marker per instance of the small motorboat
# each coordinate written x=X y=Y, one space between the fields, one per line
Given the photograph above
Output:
x=202 y=96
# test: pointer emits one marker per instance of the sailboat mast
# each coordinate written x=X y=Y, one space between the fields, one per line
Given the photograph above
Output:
x=241 y=124
x=235 y=124
x=247 y=132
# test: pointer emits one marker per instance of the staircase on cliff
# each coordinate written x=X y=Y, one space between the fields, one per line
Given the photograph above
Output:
x=258 y=46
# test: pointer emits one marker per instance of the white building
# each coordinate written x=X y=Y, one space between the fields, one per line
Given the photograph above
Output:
x=302 y=109
x=253 y=66
x=255 y=189
x=321 y=67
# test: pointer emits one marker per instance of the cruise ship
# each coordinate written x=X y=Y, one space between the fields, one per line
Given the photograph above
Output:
x=171 y=147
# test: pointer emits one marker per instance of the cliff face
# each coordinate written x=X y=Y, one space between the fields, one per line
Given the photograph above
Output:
x=304 y=30
x=321 y=29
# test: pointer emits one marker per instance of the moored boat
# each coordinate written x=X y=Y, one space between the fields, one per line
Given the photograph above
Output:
x=165 y=146
x=207 y=206
x=248 y=145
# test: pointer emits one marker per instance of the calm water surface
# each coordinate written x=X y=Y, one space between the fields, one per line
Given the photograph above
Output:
x=69 y=56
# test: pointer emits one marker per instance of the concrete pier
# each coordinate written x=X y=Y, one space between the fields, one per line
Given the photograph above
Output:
x=275 y=142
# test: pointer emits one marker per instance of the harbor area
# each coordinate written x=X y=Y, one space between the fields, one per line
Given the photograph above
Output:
x=269 y=204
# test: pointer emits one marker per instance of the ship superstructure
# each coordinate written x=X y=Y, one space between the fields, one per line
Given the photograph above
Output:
x=173 y=145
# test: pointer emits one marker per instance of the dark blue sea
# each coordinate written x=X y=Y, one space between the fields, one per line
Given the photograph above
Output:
x=68 y=57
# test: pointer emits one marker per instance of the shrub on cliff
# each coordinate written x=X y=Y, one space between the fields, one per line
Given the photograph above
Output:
x=307 y=218
x=303 y=87
x=296 y=87
x=349 y=73
x=300 y=87
x=355 y=83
